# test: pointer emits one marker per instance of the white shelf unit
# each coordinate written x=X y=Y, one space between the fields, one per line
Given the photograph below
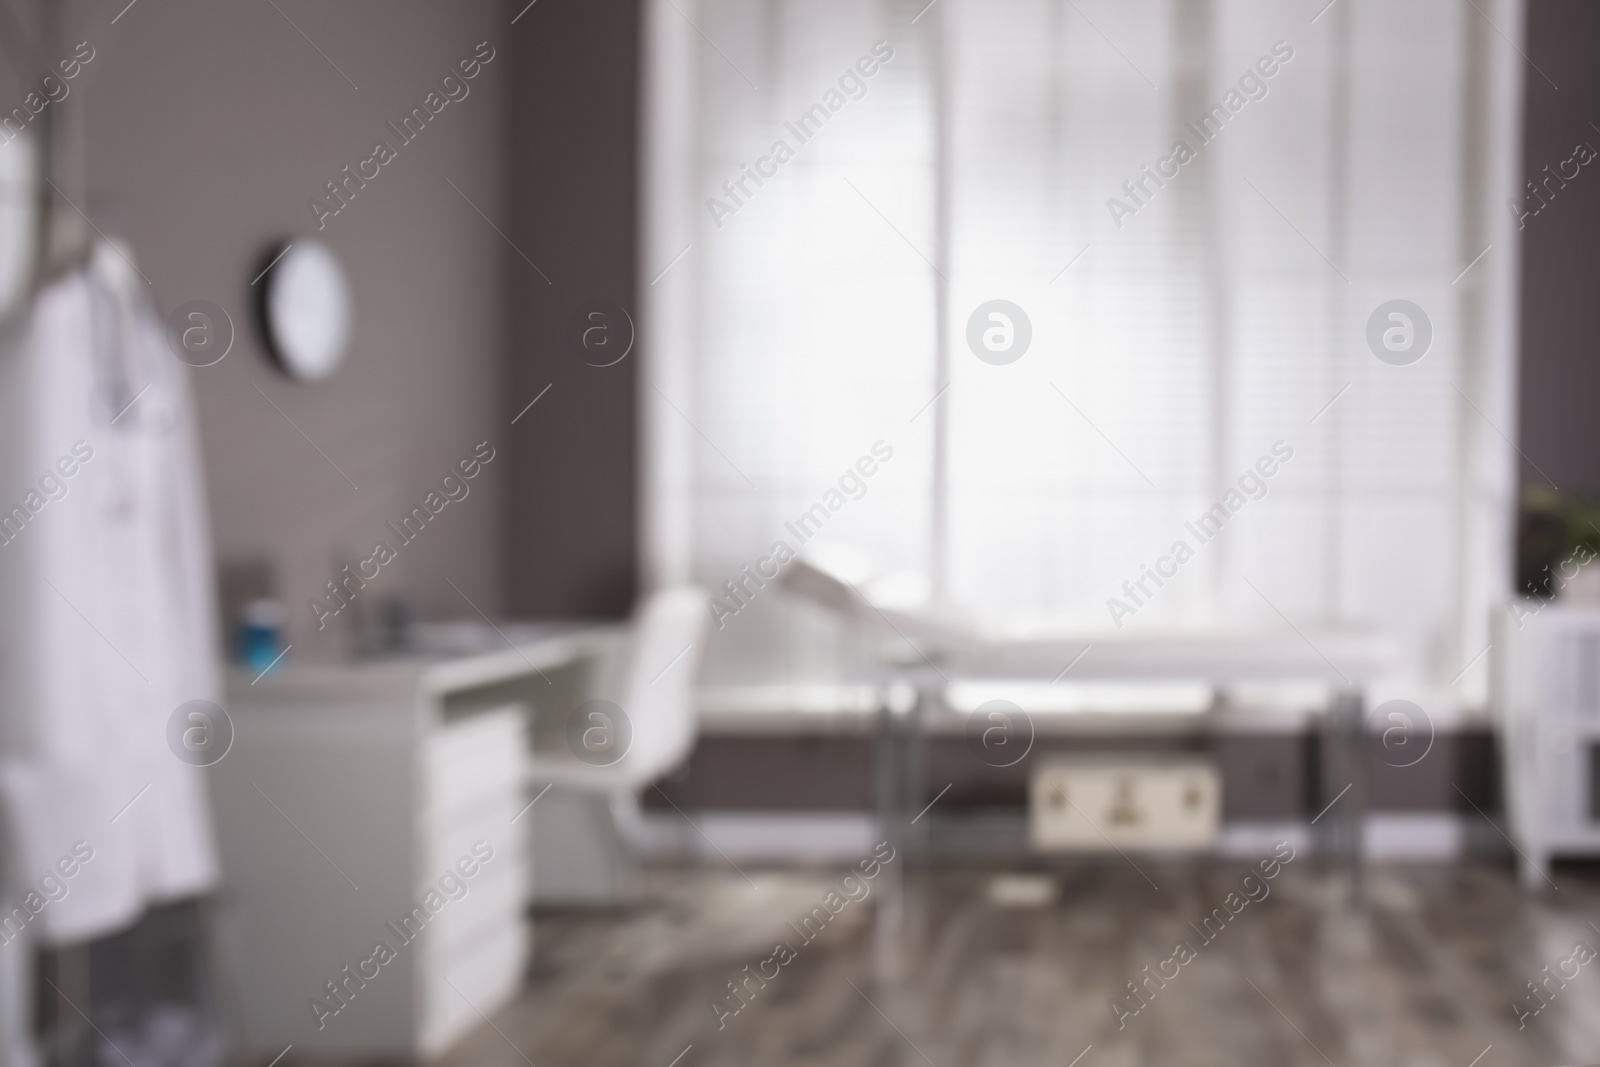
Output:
x=1547 y=697
x=351 y=792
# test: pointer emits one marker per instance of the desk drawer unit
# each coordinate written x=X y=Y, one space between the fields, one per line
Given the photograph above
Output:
x=350 y=814
x=471 y=788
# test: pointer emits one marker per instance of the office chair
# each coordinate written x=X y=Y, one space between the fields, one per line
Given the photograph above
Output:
x=589 y=828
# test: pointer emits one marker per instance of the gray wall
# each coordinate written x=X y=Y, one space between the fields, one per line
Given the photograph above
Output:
x=1560 y=369
x=209 y=127
x=211 y=124
x=573 y=505
x=1269 y=776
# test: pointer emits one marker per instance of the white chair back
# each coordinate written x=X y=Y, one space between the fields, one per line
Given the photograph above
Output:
x=658 y=694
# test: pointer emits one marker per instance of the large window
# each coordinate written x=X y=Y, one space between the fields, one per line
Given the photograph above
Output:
x=1199 y=209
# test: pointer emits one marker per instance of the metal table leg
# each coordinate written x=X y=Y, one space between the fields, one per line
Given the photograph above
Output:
x=1338 y=827
x=890 y=911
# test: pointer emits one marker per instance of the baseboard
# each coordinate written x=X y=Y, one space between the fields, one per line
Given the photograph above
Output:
x=1421 y=836
x=1249 y=839
x=761 y=837
x=1389 y=836
x=778 y=838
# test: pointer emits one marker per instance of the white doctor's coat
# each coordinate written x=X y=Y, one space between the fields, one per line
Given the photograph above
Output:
x=106 y=610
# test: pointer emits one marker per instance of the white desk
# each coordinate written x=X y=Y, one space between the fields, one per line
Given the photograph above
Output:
x=349 y=792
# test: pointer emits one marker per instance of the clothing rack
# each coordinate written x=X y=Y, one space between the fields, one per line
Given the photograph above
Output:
x=36 y=158
x=48 y=996
x=60 y=239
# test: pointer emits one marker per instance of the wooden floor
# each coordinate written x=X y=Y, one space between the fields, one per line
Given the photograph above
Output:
x=1425 y=974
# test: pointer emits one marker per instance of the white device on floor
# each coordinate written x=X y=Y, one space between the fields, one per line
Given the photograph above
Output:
x=1098 y=803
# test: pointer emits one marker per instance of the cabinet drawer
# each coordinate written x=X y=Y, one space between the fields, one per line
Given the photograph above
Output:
x=447 y=837
x=482 y=754
x=453 y=992
x=491 y=907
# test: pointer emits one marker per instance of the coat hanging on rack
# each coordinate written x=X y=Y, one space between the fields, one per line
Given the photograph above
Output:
x=105 y=571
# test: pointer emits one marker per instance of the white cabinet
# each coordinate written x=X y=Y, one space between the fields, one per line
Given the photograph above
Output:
x=376 y=863
x=1548 y=700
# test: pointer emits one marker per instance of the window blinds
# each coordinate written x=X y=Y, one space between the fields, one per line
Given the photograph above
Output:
x=1198 y=314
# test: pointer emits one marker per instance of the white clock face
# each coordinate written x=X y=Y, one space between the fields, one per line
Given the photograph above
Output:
x=308 y=311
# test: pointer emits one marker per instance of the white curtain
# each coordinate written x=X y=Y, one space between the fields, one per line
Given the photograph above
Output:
x=1175 y=340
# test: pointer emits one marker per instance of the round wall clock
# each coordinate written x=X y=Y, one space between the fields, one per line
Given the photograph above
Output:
x=305 y=310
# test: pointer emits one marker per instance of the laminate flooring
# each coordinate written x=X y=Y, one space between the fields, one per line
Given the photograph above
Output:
x=1424 y=974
